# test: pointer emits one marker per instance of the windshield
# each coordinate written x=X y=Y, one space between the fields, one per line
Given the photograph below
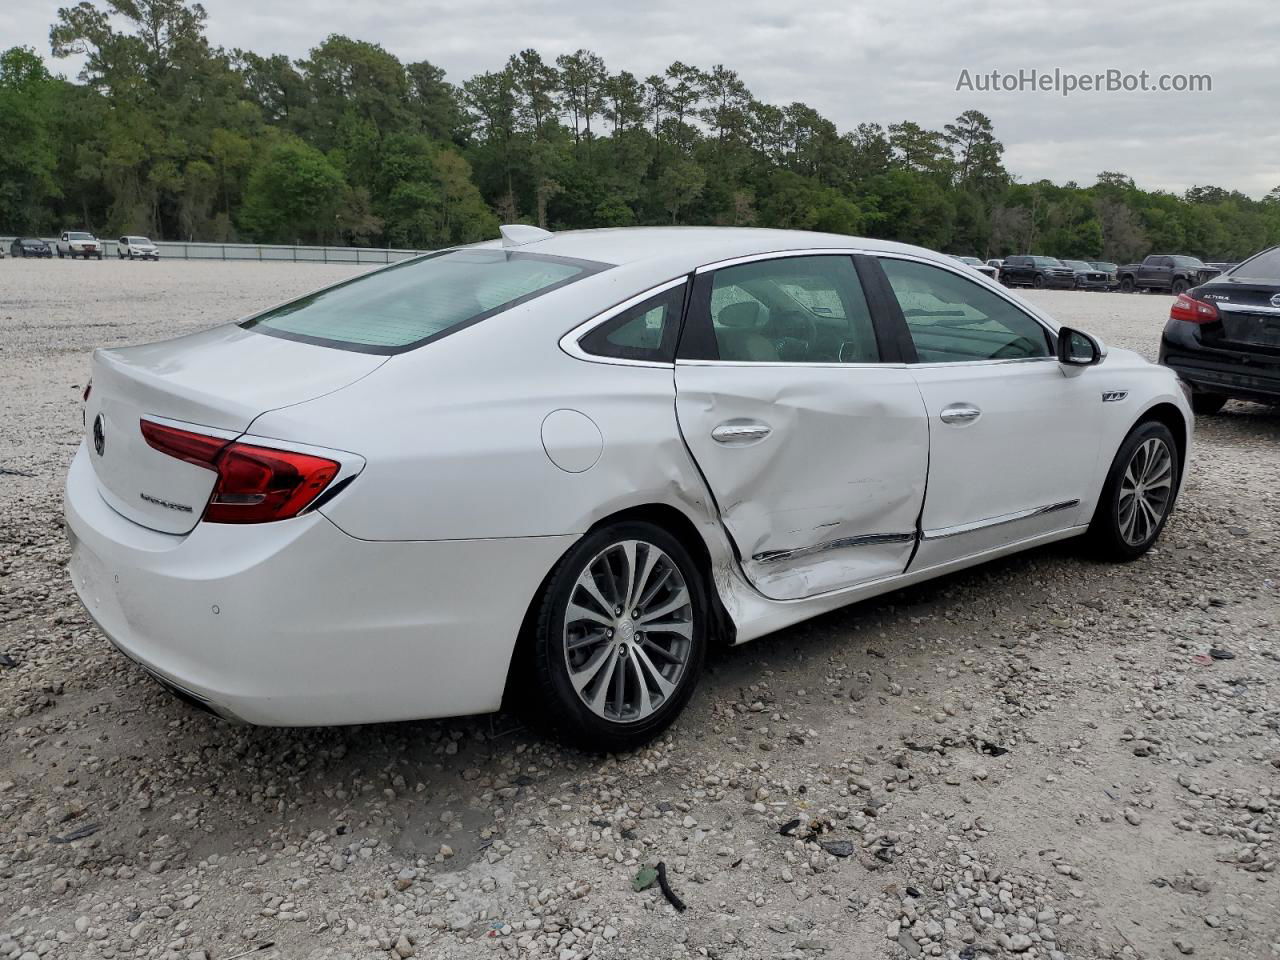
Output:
x=79 y=236
x=1187 y=262
x=407 y=305
x=1265 y=267
x=1048 y=262
x=1076 y=264
x=1104 y=265
x=139 y=240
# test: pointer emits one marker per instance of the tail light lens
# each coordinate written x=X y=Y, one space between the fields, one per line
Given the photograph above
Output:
x=1192 y=310
x=255 y=484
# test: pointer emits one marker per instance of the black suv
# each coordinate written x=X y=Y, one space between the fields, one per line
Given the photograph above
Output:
x=1223 y=337
x=1036 y=272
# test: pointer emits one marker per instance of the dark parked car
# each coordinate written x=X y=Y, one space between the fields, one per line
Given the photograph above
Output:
x=1223 y=337
x=29 y=247
x=1089 y=277
x=1036 y=272
x=1164 y=272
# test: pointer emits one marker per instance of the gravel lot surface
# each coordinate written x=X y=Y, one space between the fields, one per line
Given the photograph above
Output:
x=1036 y=758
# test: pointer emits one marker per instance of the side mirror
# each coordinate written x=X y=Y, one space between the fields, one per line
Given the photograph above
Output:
x=1078 y=349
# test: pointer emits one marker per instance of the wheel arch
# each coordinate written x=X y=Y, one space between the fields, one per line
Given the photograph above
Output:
x=675 y=522
x=1168 y=414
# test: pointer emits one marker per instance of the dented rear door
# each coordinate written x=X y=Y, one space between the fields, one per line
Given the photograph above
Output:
x=815 y=448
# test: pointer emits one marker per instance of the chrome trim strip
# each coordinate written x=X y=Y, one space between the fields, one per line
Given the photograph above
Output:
x=943 y=532
x=780 y=254
x=1246 y=308
x=865 y=540
x=680 y=362
x=569 y=342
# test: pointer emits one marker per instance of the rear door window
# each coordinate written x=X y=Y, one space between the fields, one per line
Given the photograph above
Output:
x=410 y=304
x=804 y=309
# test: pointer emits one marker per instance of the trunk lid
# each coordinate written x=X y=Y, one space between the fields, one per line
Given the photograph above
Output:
x=1249 y=318
x=215 y=382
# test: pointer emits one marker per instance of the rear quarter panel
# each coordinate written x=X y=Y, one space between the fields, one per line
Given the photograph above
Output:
x=454 y=439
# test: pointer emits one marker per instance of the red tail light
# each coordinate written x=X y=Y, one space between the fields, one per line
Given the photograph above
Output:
x=1192 y=310
x=255 y=484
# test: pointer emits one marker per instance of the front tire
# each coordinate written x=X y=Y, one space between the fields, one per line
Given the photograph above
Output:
x=620 y=636
x=1126 y=285
x=1038 y=282
x=1138 y=495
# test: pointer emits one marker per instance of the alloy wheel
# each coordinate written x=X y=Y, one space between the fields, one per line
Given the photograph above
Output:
x=628 y=631
x=1146 y=490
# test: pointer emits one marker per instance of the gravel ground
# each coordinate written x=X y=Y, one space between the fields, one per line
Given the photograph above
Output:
x=1038 y=757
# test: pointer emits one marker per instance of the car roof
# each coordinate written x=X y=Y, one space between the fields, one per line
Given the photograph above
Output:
x=695 y=246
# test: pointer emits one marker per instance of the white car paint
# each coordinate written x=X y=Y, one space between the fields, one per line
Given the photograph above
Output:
x=470 y=465
x=137 y=248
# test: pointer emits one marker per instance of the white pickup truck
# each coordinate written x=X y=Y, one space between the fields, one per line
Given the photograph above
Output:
x=78 y=243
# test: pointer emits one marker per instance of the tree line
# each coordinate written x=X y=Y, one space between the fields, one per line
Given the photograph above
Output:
x=167 y=135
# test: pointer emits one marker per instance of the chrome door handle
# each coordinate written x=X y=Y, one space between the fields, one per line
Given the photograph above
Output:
x=740 y=432
x=960 y=413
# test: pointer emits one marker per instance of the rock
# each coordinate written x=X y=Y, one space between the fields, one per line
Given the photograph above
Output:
x=1020 y=943
x=1184 y=947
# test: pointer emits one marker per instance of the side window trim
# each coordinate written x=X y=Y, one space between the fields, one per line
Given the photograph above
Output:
x=1051 y=335
x=571 y=344
x=698 y=341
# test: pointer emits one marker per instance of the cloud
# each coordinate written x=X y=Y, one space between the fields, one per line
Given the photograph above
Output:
x=862 y=61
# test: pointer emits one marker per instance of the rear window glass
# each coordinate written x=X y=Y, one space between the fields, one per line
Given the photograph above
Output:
x=412 y=303
x=1265 y=266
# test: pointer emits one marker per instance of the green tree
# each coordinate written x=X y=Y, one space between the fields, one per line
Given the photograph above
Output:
x=294 y=193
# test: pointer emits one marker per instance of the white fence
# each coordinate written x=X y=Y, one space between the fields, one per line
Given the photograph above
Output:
x=177 y=250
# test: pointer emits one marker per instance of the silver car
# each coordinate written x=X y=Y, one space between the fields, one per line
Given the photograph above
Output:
x=136 y=248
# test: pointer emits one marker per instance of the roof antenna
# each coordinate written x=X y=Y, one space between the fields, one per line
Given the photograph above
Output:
x=518 y=234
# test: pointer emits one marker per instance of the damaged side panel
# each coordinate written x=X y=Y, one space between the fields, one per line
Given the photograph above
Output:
x=818 y=471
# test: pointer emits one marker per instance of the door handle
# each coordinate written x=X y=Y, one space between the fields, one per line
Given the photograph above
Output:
x=740 y=432
x=960 y=413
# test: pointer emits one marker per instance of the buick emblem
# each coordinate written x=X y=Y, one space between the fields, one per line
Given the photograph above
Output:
x=99 y=434
x=1275 y=299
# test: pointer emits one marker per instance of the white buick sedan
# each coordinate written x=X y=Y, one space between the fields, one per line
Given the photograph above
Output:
x=575 y=460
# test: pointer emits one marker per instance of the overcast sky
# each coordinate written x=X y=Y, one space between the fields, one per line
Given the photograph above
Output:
x=856 y=61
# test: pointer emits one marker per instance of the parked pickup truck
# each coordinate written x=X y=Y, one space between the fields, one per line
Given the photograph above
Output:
x=1166 y=273
x=77 y=243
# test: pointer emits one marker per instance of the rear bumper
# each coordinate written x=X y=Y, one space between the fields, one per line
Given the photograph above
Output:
x=298 y=624
x=1246 y=375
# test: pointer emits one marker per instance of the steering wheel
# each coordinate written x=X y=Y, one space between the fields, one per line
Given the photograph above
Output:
x=791 y=325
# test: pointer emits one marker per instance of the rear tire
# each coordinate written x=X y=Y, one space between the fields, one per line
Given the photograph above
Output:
x=1038 y=282
x=1138 y=494
x=1207 y=404
x=635 y=673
